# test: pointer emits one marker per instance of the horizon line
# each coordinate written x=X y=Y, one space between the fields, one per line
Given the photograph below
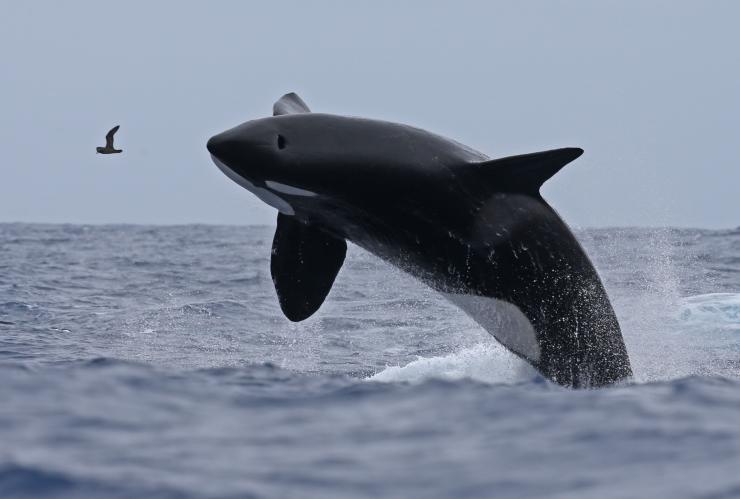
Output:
x=210 y=224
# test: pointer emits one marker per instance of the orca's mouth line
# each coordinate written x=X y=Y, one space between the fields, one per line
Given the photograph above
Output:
x=265 y=195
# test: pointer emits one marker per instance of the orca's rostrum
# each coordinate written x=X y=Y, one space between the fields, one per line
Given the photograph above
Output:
x=474 y=229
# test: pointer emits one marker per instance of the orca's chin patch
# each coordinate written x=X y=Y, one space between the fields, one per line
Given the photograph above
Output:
x=265 y=195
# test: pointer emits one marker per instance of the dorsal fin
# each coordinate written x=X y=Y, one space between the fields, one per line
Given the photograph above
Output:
x=289 y=104
x=525 y=173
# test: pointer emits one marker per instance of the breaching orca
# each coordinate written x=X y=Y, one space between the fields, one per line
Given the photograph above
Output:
x=474 y=229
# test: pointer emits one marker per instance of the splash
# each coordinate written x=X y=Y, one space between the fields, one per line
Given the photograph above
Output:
x=485 y=362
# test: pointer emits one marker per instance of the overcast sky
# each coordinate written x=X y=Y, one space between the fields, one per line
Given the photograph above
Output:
x=650 y=89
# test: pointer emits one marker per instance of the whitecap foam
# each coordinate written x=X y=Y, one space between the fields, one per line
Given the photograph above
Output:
x=485 y=362
x=698 y=336
x=715 y=309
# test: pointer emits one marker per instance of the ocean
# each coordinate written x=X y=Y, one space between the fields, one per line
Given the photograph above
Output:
x=154 y=361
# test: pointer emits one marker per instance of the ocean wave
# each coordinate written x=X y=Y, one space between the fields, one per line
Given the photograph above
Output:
x=207 y=309
x=13 y=311
x=18 y=481
x=714 y=309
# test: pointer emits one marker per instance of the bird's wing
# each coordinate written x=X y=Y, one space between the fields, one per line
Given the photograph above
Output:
x=109 y=136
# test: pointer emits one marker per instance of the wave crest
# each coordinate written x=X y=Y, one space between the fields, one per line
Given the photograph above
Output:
x=714 y=308
x=485 y=362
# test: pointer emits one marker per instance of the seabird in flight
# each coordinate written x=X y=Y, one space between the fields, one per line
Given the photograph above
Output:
x=109 y=149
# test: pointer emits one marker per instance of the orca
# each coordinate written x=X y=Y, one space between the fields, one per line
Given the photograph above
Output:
x=475 y=229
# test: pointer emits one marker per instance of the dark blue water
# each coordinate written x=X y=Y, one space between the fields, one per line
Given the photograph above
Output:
x=154 y=362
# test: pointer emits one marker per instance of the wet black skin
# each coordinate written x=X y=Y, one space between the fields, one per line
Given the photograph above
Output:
x=443 y=212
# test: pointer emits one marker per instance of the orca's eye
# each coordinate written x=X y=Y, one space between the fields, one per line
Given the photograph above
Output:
x=280 y=142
